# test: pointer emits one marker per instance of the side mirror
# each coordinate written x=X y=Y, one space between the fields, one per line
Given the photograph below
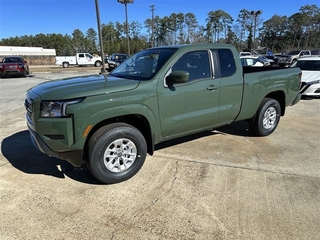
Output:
x=178 y=77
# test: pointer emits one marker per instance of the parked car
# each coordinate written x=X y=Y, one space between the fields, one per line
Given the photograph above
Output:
x=241 y=54
x=292 y=57
x=251 y=61
x=14 y=65
x=266 y=61
x=115 y=60
x=274 y=58
x=310 y=81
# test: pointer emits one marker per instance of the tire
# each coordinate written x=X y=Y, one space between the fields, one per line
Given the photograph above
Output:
x=97 y=64
x=116 y=152
x=65 y=64
x=267 y=117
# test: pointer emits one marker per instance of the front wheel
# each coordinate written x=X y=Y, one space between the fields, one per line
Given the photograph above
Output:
x=267 y=117
x=98 y=64
x=116 y=153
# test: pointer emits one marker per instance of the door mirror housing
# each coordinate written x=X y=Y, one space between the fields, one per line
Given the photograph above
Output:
x=178 y=77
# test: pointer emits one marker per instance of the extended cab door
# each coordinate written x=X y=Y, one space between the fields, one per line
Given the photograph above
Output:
x=228 y=72
x=185 y=107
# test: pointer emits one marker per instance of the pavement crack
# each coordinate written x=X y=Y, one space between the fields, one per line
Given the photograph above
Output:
x=171 y=186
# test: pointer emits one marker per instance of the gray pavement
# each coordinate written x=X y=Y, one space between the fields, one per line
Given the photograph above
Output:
x=220 y=184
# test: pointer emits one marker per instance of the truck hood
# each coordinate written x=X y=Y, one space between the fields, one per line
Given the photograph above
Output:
x=310 y=76
x=84 y=86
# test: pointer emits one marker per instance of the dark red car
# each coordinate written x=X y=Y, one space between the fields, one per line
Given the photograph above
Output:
x=14 y=65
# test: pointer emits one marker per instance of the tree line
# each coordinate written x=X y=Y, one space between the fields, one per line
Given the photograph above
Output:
x=279 y=33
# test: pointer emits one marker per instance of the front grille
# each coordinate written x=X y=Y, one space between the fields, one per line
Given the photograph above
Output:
x=28 y=106
x=11 y=67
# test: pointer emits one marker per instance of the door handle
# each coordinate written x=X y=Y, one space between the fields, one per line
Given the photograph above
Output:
x=212 y=88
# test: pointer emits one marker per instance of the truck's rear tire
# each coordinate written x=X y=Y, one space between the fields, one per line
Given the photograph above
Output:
x=116 y=152
x=267 y=117
x=65 y=64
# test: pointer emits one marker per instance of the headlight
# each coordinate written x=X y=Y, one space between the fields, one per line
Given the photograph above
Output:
x=314 y=82
x=55 y=108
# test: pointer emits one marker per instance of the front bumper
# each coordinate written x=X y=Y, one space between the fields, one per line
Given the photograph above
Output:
x=74 y=157
x=308 y=89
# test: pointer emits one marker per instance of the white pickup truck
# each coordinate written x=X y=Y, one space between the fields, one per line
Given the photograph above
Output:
x=80 y=59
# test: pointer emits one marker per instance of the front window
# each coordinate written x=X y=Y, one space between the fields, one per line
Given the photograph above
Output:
x=12 y=60
x=196 y=63
x=89 y=56
x=143 y=65
x=294 y=53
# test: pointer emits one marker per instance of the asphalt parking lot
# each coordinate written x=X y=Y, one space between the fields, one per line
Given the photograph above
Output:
x=220 y=184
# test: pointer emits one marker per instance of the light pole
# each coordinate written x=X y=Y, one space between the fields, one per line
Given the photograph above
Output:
x=103 y=70
x=125 y=2
x=255 y=15
x=152 y=10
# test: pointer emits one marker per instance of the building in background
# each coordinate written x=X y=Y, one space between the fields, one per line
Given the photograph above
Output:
x=33 y=55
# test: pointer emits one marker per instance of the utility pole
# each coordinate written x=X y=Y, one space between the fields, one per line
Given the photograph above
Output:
x=103 y=70
x=255 y=14
x=125 y=2
x=152 y=10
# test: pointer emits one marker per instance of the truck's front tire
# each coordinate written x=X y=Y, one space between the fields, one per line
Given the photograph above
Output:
x=98 y=64
x=267 y=117
x=116 y=152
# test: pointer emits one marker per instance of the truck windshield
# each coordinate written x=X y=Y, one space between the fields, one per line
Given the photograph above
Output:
x=294 y=53
x=12 y=60
x=144 y=65
x=308 y=65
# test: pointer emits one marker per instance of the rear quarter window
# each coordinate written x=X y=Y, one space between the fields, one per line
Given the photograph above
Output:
x=227 y=62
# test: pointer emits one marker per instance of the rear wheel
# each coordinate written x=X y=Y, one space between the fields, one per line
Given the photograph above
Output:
x=65 y=64
x=116 y=153
x=267 y=117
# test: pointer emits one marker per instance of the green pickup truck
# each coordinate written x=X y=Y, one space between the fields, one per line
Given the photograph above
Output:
x=111 y=121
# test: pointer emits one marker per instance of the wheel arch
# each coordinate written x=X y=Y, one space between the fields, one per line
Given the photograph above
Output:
x=280 y=97
x=277 y=95
x=136 y=120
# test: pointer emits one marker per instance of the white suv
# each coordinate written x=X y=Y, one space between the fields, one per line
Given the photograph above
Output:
x=310 y=67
